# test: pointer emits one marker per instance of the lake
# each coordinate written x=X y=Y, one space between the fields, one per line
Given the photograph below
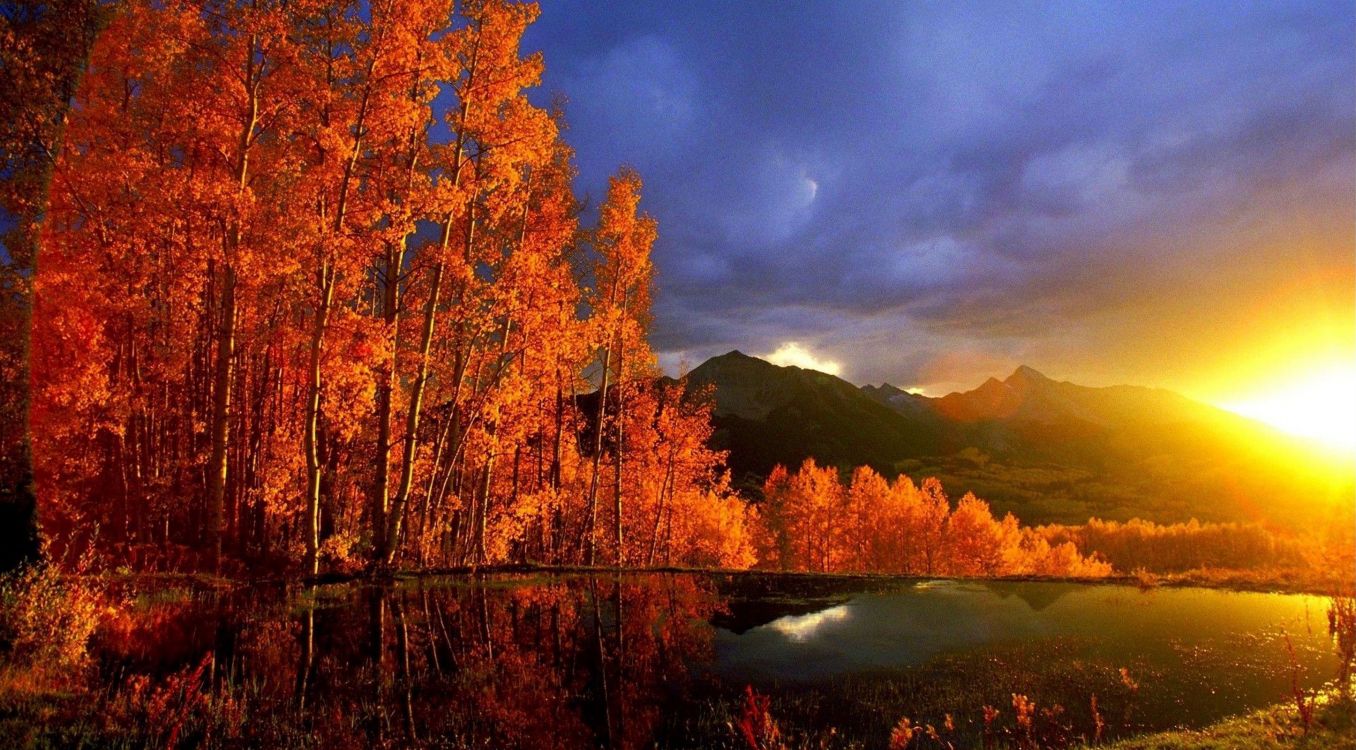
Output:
x=646 y=660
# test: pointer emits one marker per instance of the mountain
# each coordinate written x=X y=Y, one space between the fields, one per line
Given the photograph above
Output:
x=1029 y=396
x=766 y=415
x=1048 y=450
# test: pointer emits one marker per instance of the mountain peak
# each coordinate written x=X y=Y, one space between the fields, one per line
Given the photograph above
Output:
x=733 y=358
x=1026 y=374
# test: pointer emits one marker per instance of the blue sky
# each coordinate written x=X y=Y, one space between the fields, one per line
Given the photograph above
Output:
x=931 y=193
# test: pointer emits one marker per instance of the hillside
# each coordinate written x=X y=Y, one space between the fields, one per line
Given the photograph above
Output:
x=1048 y=450
x=766 y=415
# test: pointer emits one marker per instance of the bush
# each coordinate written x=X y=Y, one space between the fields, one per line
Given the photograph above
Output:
x=46 y=618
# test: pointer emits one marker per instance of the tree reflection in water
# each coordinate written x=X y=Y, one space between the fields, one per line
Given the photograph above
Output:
x=646 y=660
x=556 y=663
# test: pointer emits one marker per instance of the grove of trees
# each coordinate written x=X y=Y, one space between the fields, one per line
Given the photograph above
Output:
x=314 y=290
x=809 y=520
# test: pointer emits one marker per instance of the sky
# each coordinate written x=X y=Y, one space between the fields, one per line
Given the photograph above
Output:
x=928 y=194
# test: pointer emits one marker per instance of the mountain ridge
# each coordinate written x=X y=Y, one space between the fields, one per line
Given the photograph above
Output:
x=1049 y=450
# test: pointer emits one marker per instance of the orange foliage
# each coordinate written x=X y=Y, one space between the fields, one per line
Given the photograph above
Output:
x=1168 y=548
x=296 y=309
x=809 y=521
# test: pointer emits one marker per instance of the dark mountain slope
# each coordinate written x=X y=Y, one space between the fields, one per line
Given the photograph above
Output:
x=1045 y=449
x=767 y=415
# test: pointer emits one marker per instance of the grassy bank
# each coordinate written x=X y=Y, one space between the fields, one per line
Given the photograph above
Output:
x=1333 y=726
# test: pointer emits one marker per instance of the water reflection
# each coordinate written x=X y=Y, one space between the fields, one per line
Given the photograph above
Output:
x=564 y=663
x=894 y=629
x=910 y=626
x=635 y=661
x=801 y=628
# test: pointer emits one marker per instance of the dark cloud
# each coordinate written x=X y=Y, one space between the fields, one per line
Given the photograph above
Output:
x=913 y=189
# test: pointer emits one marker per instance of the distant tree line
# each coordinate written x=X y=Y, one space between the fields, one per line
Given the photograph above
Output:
x=1179 y=547
x=818 y=519
x=810 y=520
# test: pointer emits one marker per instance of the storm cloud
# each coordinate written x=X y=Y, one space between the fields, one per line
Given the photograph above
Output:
x=933 y=193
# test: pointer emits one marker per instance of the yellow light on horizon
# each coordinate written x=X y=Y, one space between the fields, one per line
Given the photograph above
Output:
x=1317 y=403
x=793 y=354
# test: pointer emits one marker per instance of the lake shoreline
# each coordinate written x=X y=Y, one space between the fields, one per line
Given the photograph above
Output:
x=1280 y=582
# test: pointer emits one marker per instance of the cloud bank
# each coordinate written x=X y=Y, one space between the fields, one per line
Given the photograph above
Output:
x=932 y=193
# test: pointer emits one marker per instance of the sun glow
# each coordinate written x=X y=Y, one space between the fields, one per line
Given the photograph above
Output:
x=792 y=354
x=1318 y=403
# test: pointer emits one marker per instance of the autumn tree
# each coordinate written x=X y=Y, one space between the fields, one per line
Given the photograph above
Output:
x=974 y=540
x=868 y=499
x=43 y=49
x=620 y=304
x=928 y=524
x=772 y=535
x=816 y=511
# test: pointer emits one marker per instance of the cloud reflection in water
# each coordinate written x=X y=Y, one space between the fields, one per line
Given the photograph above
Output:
x=800 y=628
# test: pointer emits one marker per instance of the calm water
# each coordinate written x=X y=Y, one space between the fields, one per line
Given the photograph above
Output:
x=663 y=660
